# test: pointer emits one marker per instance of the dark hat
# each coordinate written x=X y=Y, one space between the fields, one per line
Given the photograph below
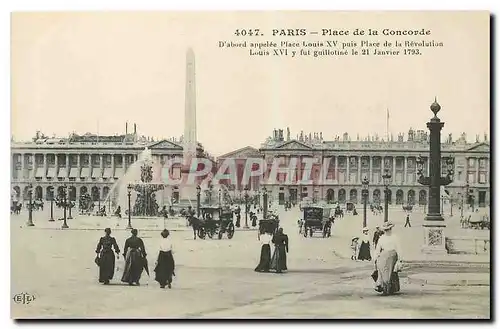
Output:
x=165 y=233
x=134 y=231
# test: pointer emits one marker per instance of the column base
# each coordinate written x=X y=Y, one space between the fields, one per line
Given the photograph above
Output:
x=434 y=239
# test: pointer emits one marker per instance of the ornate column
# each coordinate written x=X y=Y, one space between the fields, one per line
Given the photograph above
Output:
x=434 y=239
x=124 y=162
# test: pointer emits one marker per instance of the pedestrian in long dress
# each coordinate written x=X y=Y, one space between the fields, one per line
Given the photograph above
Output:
x=278 y=261
x=135 y=254
x=387 y=261
x=106 y=257
x=165 y=265
x=265 y=252
x=364 y=247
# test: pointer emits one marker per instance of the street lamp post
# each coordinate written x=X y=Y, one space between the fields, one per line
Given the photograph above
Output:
x=364 y=193
x=264 y=200
x=387 y=178
x=70 y=204
x=51 y=207
x=30 y=205
x=129 y=192
x=434 y=222
x=451 y=206
x=246 y=206
x=198 y=196
x=66 y=191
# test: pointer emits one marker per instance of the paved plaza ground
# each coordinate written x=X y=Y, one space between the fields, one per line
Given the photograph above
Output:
x=215 y=278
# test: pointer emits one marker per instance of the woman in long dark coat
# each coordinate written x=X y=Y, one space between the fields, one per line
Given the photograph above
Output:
x=106 y=258
x=165 y=264
x=278 y=262
x=265 y=252
x=135 y=254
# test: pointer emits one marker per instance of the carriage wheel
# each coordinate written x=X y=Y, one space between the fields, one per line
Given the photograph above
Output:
x=201 y=233
x=305 y=232
x=220 y=234
x=210 y=234
x=230 y=231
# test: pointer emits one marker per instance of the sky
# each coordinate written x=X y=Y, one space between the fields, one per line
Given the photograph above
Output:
x=92 y=72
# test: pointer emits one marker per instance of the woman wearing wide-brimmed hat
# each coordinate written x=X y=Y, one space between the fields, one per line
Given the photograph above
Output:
x=364 y=247
x=387 y=255
x=165 y=265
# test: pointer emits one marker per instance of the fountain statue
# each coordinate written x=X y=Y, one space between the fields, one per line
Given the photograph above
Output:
x=145 y=203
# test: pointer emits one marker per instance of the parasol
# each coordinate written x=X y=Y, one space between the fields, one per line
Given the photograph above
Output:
x=145 y=266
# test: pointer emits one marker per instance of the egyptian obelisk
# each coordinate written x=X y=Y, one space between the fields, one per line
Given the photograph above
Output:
x=190 y=108
x=188 y=191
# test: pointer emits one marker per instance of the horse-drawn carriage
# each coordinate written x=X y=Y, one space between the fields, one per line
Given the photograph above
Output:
x=479 y=221
x=408 y=208
x=317 y=219
x=269 y=225
x=215 y=221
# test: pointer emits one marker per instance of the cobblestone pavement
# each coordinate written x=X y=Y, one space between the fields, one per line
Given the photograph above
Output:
x=215 y=278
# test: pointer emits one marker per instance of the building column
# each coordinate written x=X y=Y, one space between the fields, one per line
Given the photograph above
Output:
x=335 y=169
x=371 y=169
x=393 y=169
x=477 y=170
x=90 y=167
x=78 y=165
x=67 y=167
x=23 y=166
x=124 y=162
x=56 y=163
x=347 y=169
x=359 y=170
x=405 y=170
x=112 y=165
x=45 y=165
x=101 y=165
x=382 y=165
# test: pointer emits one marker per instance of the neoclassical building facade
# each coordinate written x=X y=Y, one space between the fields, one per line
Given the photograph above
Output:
x=86 y=164
x=350 y=161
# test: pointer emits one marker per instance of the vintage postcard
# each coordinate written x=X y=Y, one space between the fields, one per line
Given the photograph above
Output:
x=257 y=165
